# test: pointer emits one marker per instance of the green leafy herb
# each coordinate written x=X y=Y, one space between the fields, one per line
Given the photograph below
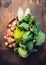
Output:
x=29 y=45
x=22 y=45
x=37 y=26
x=40 y=38
x=32 y=20
x=27 y=36
x=24 y=26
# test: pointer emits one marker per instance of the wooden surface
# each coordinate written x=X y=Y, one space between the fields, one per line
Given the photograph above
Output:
x=8 y=10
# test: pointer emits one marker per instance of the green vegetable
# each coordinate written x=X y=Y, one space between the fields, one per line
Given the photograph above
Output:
x=27 y=36
x=35 y=31
x=26 y=19
x=18 y=34
x=24 y=26
x=37 y=26
x=40 y=38
x=22 y=45
x=22 y=52
x=29 y=45
x=32 y=20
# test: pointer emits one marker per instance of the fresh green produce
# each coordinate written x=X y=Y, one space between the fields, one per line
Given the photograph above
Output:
x=28 y=36
x=40 y=38
x=18 y=34
x=26 y=19
x=29 y=45
x=24 y=26
x=22 y=52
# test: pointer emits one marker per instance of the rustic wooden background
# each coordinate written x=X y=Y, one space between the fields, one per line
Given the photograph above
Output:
x=8 y=10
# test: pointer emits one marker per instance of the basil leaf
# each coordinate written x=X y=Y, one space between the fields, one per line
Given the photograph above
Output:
x=27 y=36
x=27 y=18
x=16 y=50
x=29 y=45
x=38 y=26
x=22 y=45
x=40 y=39
x=35 y=31
x=24 y=26
x=32 y=20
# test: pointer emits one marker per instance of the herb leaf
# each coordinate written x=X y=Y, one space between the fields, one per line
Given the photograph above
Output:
x=24 y=26
x=40 y=39
x=27 y=36
x=29 y=45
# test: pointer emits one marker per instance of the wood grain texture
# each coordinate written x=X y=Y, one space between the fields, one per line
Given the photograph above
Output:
x=8 y=11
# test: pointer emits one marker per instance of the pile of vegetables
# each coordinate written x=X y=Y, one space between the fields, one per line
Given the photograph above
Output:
x=24 y=34
x=28 y=36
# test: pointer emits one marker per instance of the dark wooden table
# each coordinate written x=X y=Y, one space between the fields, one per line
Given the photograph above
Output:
x=8 y=11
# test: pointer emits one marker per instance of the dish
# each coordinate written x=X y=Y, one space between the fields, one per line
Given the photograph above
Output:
x=23 y=34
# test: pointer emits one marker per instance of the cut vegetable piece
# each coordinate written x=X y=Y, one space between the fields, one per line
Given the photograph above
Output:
x=20 y=13
x=40 y=38
x=27 y=11
x=22 y=45
x=38 y=26
x=27 y=18
x=32 y=20
x=10 y=40
x=24 y=26
x=22 y=52
x=27 y=36
x=10 y=46
x=29 y=45
x=18 y=34
x=35 y=31
x=14 y=44
x=6 y=43
x=8 y=32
